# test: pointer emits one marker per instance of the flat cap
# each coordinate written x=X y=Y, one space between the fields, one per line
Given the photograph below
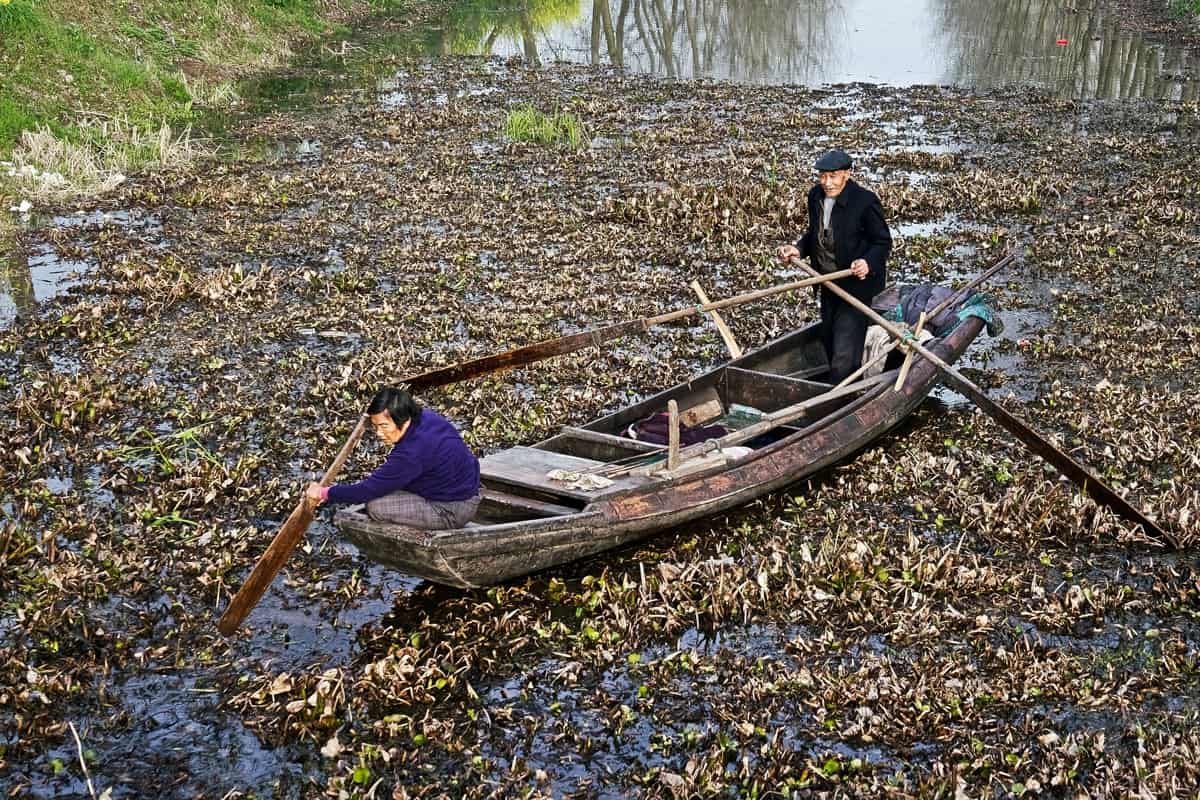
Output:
x=833 y=160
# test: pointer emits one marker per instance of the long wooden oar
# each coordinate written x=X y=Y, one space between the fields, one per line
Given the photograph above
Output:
x=1087 y=481
x=949 y=302
x=294 y=528
x=597 y=336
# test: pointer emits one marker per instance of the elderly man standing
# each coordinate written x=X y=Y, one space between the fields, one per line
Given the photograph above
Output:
x=846 y=230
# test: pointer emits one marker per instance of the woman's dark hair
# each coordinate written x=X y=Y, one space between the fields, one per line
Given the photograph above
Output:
x=399 y=404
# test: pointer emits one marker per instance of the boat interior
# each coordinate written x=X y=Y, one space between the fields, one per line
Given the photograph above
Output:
x=518 y=482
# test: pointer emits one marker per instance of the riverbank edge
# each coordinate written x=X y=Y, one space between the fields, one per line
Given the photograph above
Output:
x=178 y=72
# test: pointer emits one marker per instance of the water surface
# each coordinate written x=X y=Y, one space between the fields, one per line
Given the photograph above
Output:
x=1075 y=49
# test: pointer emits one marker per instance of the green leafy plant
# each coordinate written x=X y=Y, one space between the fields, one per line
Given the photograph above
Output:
x=1184 y=8
x=527 y=124
x=17 y=15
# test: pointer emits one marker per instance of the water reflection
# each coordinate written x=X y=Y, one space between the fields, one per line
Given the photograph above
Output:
x=975 y=43
x=762 y=41
x=40 y=272
x=17 y=295
x=1079 y=50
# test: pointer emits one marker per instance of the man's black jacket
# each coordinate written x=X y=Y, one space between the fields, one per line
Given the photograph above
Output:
x=858 y=232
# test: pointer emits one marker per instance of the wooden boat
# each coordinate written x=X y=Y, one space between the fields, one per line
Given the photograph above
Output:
x=529 y=521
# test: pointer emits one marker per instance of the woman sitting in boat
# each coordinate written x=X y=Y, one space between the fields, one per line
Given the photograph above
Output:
x=430 y=479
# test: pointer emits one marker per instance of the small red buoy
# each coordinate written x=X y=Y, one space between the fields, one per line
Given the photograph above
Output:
x=1061 y=42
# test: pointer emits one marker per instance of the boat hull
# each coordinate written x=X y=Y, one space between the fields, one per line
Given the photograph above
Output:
x=488 y=554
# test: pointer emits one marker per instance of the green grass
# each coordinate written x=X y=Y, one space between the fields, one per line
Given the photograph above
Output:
x=66 y=58
x=144 y=68
x=527 y=124
x=1184 y=8
x=14 y=118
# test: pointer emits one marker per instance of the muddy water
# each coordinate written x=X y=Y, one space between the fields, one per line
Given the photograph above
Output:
x=1075 y=49
x=45 y=271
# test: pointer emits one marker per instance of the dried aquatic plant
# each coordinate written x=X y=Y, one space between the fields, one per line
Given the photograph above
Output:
x=49 y=168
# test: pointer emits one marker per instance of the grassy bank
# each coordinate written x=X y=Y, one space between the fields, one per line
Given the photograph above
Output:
x=1185 y=8
x=92 y=90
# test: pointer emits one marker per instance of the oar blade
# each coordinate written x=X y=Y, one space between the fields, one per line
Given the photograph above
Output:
x=520 y=356
x=266 y=569
x=1097 y=489
x=1090 y=483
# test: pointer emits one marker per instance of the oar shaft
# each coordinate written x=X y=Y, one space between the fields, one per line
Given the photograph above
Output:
x=950 y=301
x=747 y=297
x=595 y=337
x=1087 y=481
x=961 y=294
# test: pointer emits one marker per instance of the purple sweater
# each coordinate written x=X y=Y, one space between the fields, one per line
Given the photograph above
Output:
x=430 y=460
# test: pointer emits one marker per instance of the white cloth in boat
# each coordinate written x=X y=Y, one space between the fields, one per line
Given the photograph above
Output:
x=877 y=341
x=579 y=480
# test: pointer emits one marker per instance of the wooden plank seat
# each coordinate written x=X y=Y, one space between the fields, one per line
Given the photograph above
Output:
x=527 y=467
x=526 y=506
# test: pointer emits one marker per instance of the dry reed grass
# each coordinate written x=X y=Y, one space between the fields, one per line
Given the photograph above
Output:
x=47 y=168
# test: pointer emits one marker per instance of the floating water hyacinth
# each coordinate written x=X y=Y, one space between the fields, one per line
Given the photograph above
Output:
x=939 y=616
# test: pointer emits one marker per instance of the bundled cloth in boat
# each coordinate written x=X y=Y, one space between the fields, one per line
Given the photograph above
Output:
x=656 y=428
x=907 y=303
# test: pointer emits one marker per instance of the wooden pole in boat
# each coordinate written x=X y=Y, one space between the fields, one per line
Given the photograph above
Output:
x=909 y=356
x=735 y=349
x=281 y=546
x=1088 y=482
x=672 y=434
x=595 y=337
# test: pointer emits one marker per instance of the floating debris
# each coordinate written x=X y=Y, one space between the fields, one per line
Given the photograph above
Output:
x=943 y=615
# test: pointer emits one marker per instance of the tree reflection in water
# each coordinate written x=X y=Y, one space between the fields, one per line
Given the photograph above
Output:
x=472 y=27
x=974 y=43
x=16 y=289
x=1014 y=42
x=753 y=40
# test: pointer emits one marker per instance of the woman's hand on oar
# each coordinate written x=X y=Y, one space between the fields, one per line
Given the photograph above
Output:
x=315 y=494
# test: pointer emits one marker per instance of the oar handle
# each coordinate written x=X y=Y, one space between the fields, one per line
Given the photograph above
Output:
x=961 y=294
